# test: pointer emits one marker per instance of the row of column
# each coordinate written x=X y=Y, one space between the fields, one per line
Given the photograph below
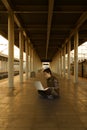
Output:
x=30 y=53
x=59 y=62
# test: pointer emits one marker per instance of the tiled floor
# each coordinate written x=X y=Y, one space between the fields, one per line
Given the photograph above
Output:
x=23 y=109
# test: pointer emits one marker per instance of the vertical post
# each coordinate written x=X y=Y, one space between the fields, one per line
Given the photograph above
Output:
x=29 y=61
x=64 y=62
x=58 y=70
x=69 y=49
x=76 y=58
x=21 y=54
x=60 y=63
x=26 y=48
x=32 y=60
x=11 y=49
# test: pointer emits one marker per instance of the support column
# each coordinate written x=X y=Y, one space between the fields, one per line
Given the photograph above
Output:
x=21 y=55
x=11 y=49
x=29 y=61
x=60 y=63
x=64 y=53
x=76 y=58
x=58 y=70
x=34 y=61
x=69 y=49
x=26 y=48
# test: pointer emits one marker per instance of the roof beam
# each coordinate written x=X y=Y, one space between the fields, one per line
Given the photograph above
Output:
x=41 y=36
x=69 y=8
x=30 y=7
x=30 y=12
x=6 y=4
x=44 y=26
x=53 y=29
x=50 y=14
x=45 y=12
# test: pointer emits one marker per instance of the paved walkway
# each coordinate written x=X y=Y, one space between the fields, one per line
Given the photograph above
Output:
x=23 y=109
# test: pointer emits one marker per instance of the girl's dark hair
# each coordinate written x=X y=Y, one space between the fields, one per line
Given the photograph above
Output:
x=47 y=70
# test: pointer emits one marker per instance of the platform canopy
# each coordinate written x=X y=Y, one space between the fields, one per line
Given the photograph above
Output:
x=49 y=24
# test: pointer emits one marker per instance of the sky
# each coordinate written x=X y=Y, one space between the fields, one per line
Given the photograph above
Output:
x=82 y=51
x=4 y=48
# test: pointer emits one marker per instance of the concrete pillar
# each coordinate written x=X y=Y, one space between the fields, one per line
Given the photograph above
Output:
x=32 y=63
x=2 y=65
x=11 y=49
x=60 y=63
x=26 y=48
x=6 y=67
x=35 y=61
x=76 y=57
x=64 y=52
x=69 y=49
x=65 y=61
x=29 y=61
x=21 y=55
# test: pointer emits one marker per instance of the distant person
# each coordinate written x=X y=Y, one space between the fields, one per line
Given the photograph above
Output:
x=52 y=90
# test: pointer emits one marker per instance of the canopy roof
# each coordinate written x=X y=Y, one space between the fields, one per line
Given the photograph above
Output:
x=49 y=24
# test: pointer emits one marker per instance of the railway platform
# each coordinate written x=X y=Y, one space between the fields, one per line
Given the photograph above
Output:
x=23 y=109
